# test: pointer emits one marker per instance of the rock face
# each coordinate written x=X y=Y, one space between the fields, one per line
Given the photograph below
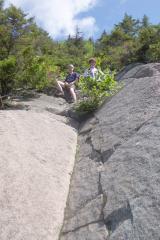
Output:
x=115 y=187
x=37 y=153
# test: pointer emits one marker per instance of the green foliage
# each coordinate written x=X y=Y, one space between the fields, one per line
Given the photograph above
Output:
x=129 y=25
x=118 y=37
x=36 y=71
x=13 y=26
x=7 y=74
x=95 y=90
x=153 y=53
x=148 y=39
x=1 y=4
x=39 y=59
x=145 y=22
x=89 y=48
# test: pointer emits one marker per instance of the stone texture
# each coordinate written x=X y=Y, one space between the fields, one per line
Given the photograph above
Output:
x=95 y=231
x=37 y=153
x=139 y=70
x=119 y=158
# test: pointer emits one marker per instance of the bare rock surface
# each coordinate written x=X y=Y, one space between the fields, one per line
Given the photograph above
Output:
x=115 y=187
x=37 y=153
x=139 y=70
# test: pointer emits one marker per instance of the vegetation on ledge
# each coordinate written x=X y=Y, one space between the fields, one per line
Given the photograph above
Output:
x=30 y=58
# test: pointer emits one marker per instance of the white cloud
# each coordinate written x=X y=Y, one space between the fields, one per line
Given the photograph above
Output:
x=89 y=24
x=123 y=1
x=60 y=17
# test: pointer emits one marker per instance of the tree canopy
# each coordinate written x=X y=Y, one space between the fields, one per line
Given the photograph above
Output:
x=29 y=57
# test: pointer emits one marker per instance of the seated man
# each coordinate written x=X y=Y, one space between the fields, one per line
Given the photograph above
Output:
x=69 y=81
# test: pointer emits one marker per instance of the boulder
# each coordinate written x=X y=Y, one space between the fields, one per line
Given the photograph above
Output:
x=115 y=186
x=37 y=153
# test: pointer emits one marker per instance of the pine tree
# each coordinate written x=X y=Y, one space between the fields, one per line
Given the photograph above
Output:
x=145 y=21
x=129 y=25
x=14 y=25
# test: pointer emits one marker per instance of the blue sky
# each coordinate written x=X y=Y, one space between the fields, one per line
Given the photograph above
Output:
x=112 y=11
x=60 y=17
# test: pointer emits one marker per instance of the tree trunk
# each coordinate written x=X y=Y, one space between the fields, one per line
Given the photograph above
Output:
x=4 y=89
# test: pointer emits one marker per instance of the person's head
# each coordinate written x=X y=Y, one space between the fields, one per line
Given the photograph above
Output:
x=70 y=68
x=92 y=62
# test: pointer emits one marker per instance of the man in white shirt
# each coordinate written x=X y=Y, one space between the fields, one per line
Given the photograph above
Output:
x=92 y=70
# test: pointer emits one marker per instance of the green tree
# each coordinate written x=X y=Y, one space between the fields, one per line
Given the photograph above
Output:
x=129 y=25
x=13 y=25
x=7 y=74
x=36 y=53
x=147 y=36
x=153 y=53
x=76 y=49
x=34 y=70
x=145 y=22
x=1 y=4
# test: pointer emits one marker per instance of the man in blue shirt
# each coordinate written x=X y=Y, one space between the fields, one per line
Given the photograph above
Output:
x=69 y=82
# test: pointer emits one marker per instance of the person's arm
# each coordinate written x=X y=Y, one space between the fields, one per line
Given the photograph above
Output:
x=77 y=77
x=85 y=73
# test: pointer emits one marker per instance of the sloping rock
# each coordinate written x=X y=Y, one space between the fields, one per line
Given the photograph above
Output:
x=37 y=153
x=139 y=70
x=118 y=165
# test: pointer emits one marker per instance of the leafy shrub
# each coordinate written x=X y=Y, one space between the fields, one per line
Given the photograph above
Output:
x=153 y=54
x=7 y=74
x=95 y=90
x=35 y=71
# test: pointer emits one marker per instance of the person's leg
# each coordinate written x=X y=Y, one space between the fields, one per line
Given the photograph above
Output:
x=60 y=86
x=73 y=94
